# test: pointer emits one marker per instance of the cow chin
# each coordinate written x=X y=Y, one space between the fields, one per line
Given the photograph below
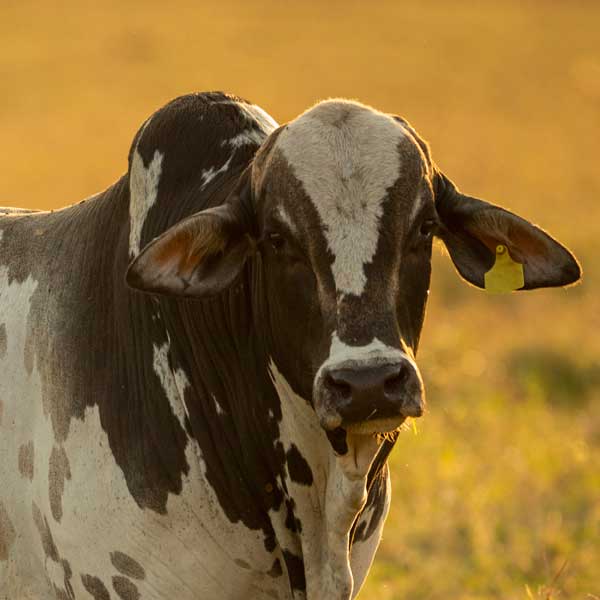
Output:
x=330 y=420
x=375 y=426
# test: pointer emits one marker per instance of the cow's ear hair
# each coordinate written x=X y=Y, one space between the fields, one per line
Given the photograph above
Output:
x=472 y=229
x=202 y=255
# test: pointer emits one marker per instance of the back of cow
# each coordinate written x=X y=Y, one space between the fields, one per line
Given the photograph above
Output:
x=22 y=251
x=50 y=301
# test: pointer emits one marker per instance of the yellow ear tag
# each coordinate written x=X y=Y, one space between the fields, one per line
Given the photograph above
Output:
x=506 y=275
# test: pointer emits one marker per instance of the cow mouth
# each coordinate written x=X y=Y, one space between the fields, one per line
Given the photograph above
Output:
x=356 y=444
x=375 y=426
x=355 y=452
x=378 y=428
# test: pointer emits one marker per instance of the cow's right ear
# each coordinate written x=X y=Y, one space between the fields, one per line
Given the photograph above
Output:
x=202 y=255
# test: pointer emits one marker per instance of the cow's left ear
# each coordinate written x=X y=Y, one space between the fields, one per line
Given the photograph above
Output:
x=472 y=229
x=202 y=255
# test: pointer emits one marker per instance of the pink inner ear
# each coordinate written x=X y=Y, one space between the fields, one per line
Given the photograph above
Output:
x=182 y=251
x=200 y=256
x=522 y=239
x=491 y=242
x=173 y=255
x=528 y=242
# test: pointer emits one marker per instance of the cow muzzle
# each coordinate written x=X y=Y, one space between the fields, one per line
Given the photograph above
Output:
x=368 y=398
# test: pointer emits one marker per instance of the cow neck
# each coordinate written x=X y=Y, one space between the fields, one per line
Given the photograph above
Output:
x=324 y=491
x=231 y=410
x=260 y=444
x=263 y=451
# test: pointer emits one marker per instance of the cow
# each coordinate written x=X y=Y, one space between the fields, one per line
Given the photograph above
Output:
x=204 y=368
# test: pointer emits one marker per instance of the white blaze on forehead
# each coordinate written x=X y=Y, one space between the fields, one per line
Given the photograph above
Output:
x=143 y=188
x=346 y=157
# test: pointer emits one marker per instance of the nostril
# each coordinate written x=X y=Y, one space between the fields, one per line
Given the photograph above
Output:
x=340 y=387
x=394 y=384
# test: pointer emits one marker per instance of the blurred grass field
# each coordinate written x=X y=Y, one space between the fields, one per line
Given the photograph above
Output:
x=498 y=494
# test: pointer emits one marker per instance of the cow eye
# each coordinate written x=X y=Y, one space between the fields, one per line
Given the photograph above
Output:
x=276 y=240
x=428 y=228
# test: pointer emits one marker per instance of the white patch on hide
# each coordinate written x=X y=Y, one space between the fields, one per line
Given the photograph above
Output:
x=167 y=546
x=286 y=219
x=173 y=383
x=20 y=394
x=99 y=513
x=346 y=157
x=208 y=175
x=218 y=407
x=363 y=551
x=416 y=207
x=256 y=113
x=143 y=190
x=328 y=507
x=249 y=136
x=55 y=573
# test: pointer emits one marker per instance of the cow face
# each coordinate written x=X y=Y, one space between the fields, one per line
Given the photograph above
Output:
x=346 y=218
x=336 y=217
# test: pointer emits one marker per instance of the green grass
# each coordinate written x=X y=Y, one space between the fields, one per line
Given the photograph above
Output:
x=495 y=492
x=501 y=486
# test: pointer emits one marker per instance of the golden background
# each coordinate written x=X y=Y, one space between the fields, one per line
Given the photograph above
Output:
x=498 y=494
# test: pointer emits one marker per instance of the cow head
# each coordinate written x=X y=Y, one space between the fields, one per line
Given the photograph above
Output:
x=336 y=216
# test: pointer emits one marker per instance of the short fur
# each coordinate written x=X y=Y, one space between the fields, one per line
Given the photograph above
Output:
x=175 y=435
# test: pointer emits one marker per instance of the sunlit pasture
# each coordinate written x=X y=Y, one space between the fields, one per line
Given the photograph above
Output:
x=497 y=493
